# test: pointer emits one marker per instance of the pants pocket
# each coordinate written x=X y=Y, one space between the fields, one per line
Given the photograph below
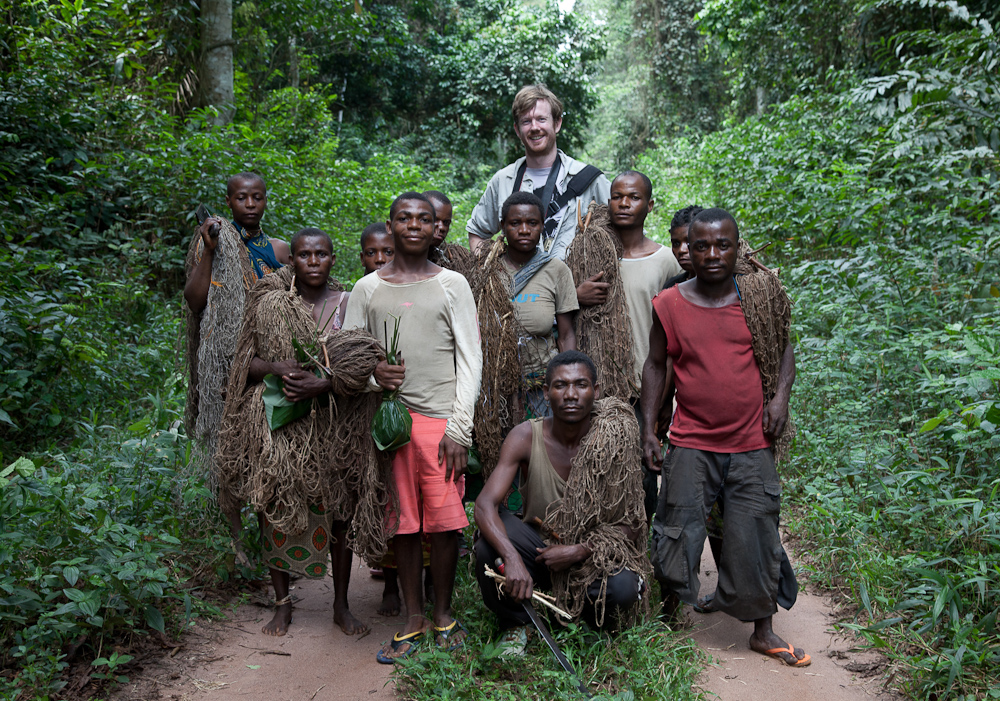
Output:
x=670 y=565
x=772 y=498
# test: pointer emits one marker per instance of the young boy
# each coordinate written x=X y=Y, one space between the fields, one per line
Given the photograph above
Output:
x=438 y=376
x=645 y=267
x=443 y=214
x=679 y=243
x=376 y=247
x=219 y=278
x=733 y=373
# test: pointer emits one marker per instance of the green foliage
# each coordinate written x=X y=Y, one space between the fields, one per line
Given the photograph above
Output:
x=446 y=87
x=91 y=548
x=646 y=662
x=71 y=344
x=772 y=46
x=882 y=198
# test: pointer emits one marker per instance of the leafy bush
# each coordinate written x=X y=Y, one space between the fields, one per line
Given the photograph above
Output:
x=887 y=235
x=101 y=545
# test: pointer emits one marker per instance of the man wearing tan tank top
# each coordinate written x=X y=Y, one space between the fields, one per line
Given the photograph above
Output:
x=542 y=451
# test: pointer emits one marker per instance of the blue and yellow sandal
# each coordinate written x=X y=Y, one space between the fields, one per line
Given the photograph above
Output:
x=400 y=647
x=442 y=636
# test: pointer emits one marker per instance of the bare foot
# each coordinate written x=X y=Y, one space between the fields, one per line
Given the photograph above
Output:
x=279 y=624
x=390 y=604
x=347 y=622
x=775 y=647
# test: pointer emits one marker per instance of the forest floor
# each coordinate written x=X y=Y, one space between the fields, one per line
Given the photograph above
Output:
x=231 y=660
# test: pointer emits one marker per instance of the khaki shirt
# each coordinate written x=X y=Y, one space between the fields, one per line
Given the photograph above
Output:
x=550 y=291
x=643 y=279
x=438 y=339
x=485 y=219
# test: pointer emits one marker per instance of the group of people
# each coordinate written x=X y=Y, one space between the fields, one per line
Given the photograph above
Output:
x=569 y=503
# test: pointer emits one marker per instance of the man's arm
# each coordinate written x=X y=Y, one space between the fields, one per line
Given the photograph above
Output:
x=485 y=219
x=516 y=449
x=776 y=411
x=657 y=371
x=453 y=450
x=567 y=334
x=196 y=289
x=282 y=251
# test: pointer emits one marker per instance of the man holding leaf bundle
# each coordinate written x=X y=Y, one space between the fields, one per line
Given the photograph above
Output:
x=294 y=440
x=426 y=317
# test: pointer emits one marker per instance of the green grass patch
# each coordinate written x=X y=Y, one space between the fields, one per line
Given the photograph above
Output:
x=647 y=661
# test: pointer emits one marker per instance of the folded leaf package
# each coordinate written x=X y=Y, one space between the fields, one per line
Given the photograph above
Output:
x=278 y=408
x=392 y=423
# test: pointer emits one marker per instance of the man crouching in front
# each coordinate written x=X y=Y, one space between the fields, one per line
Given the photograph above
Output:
x=583 y=525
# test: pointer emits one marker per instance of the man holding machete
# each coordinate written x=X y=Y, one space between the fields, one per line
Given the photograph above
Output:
x=580 y=494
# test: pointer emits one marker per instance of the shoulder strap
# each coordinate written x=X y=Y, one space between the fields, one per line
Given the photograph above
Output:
x=520 y=176
x=574 y=188
x=578 y=184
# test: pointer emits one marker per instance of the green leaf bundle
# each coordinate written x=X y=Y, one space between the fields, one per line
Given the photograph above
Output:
x=278 y=408
x=392 y=423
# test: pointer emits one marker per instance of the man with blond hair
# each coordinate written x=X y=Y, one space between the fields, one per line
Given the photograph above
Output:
x=559 y=181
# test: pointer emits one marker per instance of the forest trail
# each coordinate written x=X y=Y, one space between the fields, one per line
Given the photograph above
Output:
x=230 y=660
x=837 y=672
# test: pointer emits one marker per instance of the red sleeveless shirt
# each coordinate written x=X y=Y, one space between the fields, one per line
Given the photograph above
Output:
x=720 y=401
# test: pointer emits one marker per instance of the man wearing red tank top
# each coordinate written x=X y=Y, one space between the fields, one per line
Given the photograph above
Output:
x=720 y=440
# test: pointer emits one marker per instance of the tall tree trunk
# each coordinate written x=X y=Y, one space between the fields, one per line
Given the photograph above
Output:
x=217 y=57
x=293 y=62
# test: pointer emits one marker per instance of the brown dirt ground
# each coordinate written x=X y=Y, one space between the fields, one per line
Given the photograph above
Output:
x=231 y=660
x=838 y=671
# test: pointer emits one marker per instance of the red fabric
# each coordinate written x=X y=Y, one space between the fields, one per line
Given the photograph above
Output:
x=720 y=401
x=428 y=503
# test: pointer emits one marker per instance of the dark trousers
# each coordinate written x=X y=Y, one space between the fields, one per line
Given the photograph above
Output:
x=650 y=490
x=751 y=581
x=623 y=590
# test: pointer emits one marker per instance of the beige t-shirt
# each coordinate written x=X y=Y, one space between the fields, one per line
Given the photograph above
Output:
x=438 y=339
x=643 y=279
x=550 y=291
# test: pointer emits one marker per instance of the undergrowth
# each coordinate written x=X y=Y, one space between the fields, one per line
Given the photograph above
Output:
x=886 y=232
x=645 y=662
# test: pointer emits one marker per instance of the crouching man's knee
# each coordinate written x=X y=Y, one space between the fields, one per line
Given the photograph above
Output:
x=624 y=591
x=622 y=596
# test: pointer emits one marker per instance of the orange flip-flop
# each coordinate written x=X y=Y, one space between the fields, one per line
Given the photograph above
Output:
x=775 y=652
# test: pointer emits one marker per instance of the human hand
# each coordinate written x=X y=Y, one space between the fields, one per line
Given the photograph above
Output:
x=560 y=557
x=390 y=377
x=592 y=291
x=302 y=384
x=211 y=242
x=454 y=456
x=284 y=367
x=775 y=417
x=652 y=450
x=519 y=586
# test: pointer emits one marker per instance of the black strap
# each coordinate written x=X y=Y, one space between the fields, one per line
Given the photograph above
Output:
x=551 y=205
x=577 y=185
x=547 y=190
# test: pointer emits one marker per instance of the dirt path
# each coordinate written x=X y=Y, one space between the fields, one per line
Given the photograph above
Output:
x=231 y=660
x=836 y=673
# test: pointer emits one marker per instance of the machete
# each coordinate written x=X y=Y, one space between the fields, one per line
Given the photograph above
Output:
x=547 y=637
x=202 y=213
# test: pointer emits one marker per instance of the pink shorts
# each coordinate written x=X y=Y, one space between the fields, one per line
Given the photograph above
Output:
x=427 y=502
